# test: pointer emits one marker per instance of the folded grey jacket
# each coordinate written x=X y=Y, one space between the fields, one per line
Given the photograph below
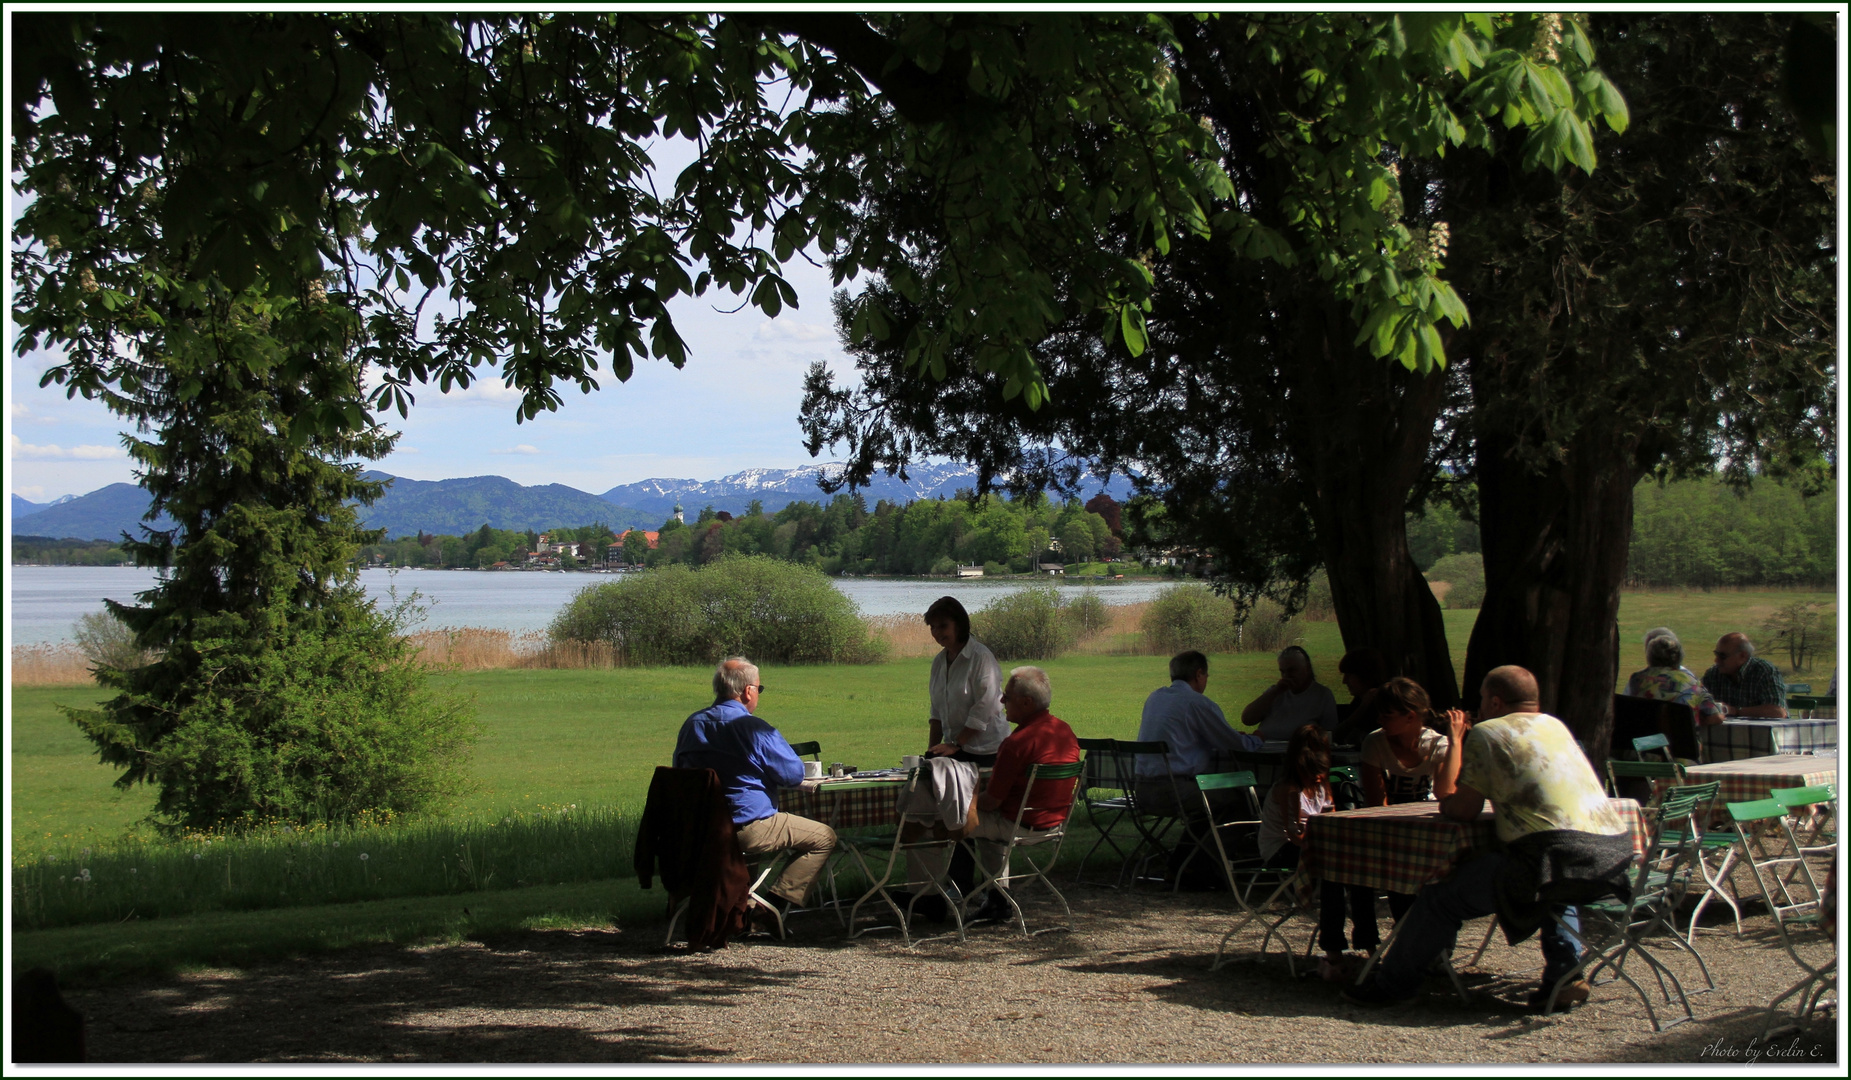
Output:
x=943 y=794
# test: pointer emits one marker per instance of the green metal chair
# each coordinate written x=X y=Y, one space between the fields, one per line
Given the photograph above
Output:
x=1623 y=923
x=1108 y=793
x=1246 y=871
x=1027 y=842
x=812 y=750
x=1793 y=909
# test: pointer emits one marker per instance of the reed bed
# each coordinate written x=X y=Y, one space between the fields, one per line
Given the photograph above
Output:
x=50 y=665
x=472 y=648
x=280 y=865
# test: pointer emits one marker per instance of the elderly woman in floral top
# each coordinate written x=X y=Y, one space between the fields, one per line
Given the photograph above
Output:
x=1665 y=677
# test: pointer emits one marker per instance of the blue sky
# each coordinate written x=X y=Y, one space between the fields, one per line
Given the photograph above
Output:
x=733 y=407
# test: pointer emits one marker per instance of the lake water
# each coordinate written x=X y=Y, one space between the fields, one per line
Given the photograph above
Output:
x=45 y=601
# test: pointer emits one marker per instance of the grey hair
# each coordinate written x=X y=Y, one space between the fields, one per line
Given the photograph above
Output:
x=1662 y=648
x=731 y=678
x=1031 y=683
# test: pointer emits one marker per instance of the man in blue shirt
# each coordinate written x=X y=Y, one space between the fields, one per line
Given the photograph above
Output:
x=753 y=760
x=1195 y=729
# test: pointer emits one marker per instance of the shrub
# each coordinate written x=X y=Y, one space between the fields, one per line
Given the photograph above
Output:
x=1088 y=614
x=756 y=606
x=107 y=642
x=1319 y=605
x=1032 y=624
x=1267 y=629
x=1189 y=616
x=994 y=569
x=1465 y=572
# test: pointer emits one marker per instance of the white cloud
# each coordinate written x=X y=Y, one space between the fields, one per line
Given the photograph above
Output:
x=30 y=494
x=791 y=330
x=523 y=448
x=19 y=409
x=52 y=451
x=406 y=450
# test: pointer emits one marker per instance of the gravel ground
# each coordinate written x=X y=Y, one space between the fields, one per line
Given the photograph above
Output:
x=1129 y=983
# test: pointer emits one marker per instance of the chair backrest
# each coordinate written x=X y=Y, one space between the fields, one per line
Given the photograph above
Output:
x=1647 y=744
x=1638 y=717
x=1648 y=771
x=1243 y=781
x=1801 y=705
x=1102 y=772
x=1798 y=688
x=1128 y=752
x=813 y=749
x=1044 y=792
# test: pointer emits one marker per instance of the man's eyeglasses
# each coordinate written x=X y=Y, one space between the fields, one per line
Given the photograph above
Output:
x=760 y=687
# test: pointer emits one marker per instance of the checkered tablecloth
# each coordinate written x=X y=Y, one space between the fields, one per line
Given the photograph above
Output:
x=1733 y=740
x=851 y=804
x=1401 y=848
x=1752 y=778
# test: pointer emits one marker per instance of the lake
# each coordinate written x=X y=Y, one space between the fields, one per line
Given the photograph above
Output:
x=44 y=601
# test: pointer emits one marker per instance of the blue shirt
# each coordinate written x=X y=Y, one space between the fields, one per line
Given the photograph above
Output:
x=1193 y=725
x=749 y=754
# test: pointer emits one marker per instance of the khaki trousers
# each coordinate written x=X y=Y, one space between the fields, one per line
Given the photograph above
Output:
x=809 y=843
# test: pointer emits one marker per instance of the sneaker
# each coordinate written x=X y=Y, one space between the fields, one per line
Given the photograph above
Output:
x=1371 y=995
x=767 y=918
x=1571 y=994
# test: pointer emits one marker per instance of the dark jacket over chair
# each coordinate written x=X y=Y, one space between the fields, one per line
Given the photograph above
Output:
x=687 y=837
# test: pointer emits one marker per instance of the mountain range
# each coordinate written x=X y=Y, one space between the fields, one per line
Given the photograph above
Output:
x=459 y=505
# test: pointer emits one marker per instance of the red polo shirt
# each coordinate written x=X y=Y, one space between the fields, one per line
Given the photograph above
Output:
x=1042 y=740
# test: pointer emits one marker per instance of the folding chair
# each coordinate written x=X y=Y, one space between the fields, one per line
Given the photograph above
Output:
x=1108 y=794
x=1820 y=837
x=1247 y=865
x=1656 y=776
x=895 y=849
x=813 y=750
x=1153 y=825
x=1790 y=909
x=1647 y=744
x=1028 y=841
x=1657 y=885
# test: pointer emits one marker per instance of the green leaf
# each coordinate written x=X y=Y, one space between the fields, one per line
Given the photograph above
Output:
x=1131 y=326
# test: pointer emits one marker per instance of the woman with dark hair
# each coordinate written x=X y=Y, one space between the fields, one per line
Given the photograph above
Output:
x=1410 y=759
x=1303 y=790
x=1364 y=671
x=966 y=689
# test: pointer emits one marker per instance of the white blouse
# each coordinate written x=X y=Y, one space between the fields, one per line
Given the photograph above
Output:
x=968 y=693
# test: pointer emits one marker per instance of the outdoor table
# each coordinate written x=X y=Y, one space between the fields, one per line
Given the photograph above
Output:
x=1752 y=778
x=1733 y=740
x=844 y=804
x=1402 y=847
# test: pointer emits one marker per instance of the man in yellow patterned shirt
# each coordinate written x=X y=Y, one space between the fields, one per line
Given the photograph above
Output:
x=1545 y=796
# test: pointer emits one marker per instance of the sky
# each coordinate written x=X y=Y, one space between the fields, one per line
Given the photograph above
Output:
x=733 y=407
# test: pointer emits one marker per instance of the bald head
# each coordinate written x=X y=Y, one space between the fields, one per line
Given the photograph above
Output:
x=1732 y=652
x=1507 y=689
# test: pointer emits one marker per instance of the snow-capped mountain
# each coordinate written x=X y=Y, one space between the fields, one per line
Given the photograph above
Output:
x=775 y=488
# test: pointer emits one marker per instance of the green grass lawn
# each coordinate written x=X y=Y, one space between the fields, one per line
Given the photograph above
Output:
x=553 y=738
x=593 y=737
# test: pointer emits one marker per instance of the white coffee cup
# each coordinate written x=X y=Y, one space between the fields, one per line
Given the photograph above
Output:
x=812 y=770
x=911 y=761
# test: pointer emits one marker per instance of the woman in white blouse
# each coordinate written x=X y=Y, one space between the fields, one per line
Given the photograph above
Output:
x=966 y=688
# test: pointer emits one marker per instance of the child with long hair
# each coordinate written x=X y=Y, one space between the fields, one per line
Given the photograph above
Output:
x=1302 y=791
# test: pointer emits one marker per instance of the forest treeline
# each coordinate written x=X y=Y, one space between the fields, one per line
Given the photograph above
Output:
x=1697 y=533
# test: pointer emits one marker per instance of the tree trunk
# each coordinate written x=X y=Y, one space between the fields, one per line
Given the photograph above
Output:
x=1361 y=429
x=1555 y=537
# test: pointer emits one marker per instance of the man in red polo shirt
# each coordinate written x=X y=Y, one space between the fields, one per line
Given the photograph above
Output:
x=1039 y=738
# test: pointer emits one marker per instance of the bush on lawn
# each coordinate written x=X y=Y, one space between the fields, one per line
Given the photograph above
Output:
x=763 y=608
x=1033 y=624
